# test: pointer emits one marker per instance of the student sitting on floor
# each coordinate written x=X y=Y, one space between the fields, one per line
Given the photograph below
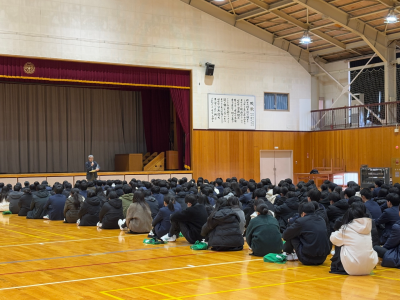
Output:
x=222 y=229
x=4 y=204
x=189 y=221
x=263 y=234
x=203 y=200
x=354 y=240
x=287 y=210
x=111 y=212
x=55 y=205
x=72 y=206
x=138 y=215
x=24 y=203
x=14 y=197
x=90 y=210
x=36 y=210
x=336 y=209
x=161 y=223
x=307 y=236
x=390 y=251
x=234 y=204
x=370 y=204
x=152 y=202
x=126 y=198
x=389 y=216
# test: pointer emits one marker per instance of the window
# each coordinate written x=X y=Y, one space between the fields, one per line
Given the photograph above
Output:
x=276 y=101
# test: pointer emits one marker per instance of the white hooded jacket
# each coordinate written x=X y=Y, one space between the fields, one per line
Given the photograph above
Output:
x=357 y=255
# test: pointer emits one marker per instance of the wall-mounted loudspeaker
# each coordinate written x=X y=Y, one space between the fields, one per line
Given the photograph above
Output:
x=209 y=69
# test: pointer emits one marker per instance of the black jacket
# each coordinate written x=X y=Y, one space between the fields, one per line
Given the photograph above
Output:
x=321 y=211
x=24 y=204
x=37 y=205
x=13 y=198
x=311 y=231
x=222 y=230
x=194 y=217
x=89 y=167
x=90 y=211
x=285 y=211
x=153 y=204
x=180 y=198
x=337 y=210
x=110 y=213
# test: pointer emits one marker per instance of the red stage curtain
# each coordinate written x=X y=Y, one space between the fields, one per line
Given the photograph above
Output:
x=14 y=66
x=156 y=119
x=179 y=141
x=181 y=100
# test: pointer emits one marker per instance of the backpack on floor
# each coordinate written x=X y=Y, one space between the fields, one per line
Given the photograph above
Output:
x=199 y=246
x=275 y=258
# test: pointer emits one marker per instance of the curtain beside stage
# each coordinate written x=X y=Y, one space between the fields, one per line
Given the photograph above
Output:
x=54 y=128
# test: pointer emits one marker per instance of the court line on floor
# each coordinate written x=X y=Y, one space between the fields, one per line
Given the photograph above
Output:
x=386 y=277
x=252 y=287
x=29 y=228
x=37 y=237
x=126 y=274
x=204 y=278
x=78 y=240
x=85 y=255
x=107 y=263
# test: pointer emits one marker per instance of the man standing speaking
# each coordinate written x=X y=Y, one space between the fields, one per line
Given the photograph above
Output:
x=92 y=168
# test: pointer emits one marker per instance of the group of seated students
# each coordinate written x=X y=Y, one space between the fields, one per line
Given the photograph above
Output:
x=300 y=221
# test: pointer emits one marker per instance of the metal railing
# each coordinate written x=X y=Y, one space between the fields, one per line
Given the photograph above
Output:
x=361 y=116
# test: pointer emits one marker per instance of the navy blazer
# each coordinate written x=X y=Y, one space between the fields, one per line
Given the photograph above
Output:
x=391 y=259
x=161 y=222
x=55 y=207
x=373 y=208
x=89 y=167
x=388 y=218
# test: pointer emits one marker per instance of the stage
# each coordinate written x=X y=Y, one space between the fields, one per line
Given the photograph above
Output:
x=73 y=177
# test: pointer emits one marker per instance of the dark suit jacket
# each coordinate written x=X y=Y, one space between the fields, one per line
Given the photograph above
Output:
x=89 y=167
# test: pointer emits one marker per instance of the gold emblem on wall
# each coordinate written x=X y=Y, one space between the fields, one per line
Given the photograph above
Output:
x=29 y=68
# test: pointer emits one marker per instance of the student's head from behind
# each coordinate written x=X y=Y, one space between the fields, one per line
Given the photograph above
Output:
x=365 y=194
x=41 y=187
x=333 y=197
x=260 y=193
x=155 y=189
x=354 y=199
x=392 y=200
x=233 y=201
x=190 y=200
x=113 y=195
x=219 y=181
x=284 y=191
x=169 y=201
x=91 y=193
x=58 y=189
x=17 y=188
x=84 y=185
x=306 y=208
x=357 y=210
x=348 y=193
x=127 y=189
x=314 y=195
x=378 y=183
x=382 y=193
x=262 y=209
x=203 y=199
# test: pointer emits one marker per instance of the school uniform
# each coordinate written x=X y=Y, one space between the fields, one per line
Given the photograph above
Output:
x=55 y=207
x=24 y=204
x=110 y=213
x=285 y=211
x=71 y=213
x=373 y=208
x=162 y=222
x=90 y=211
x=308 y=236
x=37 y=205
x=263 y=235
x=388 y=218
x=391 y=258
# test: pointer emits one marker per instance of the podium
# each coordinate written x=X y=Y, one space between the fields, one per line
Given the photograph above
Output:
x=172 y=160
x=128 y=162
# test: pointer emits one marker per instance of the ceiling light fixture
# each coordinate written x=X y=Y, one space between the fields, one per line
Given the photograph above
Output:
x=306 y=39
x=391 y=18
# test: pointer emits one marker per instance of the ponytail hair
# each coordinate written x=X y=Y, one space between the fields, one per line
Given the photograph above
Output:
x=262 y=209
x=75 y=196
x=170 y=200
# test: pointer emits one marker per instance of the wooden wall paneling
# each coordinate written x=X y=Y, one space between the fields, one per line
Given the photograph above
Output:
x=234 y=153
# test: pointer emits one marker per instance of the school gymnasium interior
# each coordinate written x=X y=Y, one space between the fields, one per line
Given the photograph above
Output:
x=164 y=89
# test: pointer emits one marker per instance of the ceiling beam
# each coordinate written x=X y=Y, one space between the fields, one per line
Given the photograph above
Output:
x=263 y=8
x=299 y=54
x=374 y=38
x=333 y=50
x=305 y=26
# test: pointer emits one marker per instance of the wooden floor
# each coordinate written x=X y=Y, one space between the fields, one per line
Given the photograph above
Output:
x=52 y=260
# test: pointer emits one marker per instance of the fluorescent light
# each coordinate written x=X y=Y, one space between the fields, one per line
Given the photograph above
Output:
x=391 y=18
x=306 y=39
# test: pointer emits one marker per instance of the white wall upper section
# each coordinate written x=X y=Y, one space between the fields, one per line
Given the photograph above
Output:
x=325 y=88
x=165 y=33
